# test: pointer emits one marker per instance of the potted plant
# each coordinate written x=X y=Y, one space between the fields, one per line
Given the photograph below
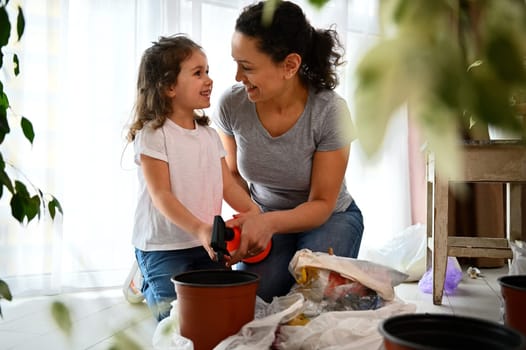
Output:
x=27 y=201
x=454 y=63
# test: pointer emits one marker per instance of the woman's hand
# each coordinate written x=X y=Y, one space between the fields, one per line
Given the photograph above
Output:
x=256 y=233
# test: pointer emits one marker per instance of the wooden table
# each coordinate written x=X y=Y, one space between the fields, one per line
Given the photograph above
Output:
x=484 y=161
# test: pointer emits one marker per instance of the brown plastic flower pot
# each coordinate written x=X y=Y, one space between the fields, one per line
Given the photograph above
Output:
x=513 y=290
x=441 y=331
x=214 y=304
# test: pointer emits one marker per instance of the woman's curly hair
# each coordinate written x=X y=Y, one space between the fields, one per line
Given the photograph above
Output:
x=290 y=32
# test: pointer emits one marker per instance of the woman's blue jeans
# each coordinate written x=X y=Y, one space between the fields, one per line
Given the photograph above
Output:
x=342 y=232
x=158 y=267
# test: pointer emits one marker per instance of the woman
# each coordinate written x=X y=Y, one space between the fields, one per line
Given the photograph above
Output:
x=287 y=135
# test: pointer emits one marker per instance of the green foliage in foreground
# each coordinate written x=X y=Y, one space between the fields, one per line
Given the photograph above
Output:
x=25 y=204
x=452 y=63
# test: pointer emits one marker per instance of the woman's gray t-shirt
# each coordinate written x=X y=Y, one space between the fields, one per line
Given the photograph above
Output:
x=278 y=169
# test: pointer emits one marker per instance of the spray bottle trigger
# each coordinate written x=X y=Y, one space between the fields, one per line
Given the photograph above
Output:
x=220 y=234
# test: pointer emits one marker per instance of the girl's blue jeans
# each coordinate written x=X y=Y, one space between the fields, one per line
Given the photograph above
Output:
x=342 y=232
x=158 y=267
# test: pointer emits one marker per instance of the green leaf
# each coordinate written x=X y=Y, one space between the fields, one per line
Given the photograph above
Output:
x=4 y=101
x=490 y=98
x=268 y=11
x=16 y=64
x=62 y=317
x=382 y=89
x=5 y=180
x=52 y=211
x=21 y=188
x=440 y=129
x=32 y=207
x=20 y=23
x=4 y=124
x=318 y=3
x=17 y=207
x=505 y=58
x=23 y=205
x=400 y=10
x=27 y=128
x=124 y=342
x=53 y=205
x=5 y=293
x=5 y=27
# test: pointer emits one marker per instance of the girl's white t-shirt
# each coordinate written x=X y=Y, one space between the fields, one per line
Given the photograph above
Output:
x=194 y=161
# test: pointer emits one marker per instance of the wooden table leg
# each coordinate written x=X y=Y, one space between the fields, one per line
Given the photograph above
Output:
x=429 y=223
x=514 y=211
x=440 y=239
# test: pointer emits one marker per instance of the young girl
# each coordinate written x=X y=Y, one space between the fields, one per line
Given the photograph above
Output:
x=183 y=176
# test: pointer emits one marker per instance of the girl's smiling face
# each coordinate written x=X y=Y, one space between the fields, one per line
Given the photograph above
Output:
x=262 y=77
x=193 y=87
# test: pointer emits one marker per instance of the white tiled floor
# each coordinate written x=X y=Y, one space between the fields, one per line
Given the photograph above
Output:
x=100 y=317
x=478 y=297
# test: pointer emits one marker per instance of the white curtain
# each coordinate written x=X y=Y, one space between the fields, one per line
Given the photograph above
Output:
x=380 y=186
x=79 y=61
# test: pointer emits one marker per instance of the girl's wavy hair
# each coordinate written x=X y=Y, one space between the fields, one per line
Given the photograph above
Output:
x=290 y=32
x=160 y=65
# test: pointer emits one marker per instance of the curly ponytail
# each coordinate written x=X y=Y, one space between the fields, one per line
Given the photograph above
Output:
x=290 y=32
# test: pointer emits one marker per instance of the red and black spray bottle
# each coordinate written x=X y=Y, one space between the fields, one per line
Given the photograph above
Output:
x=226 y=240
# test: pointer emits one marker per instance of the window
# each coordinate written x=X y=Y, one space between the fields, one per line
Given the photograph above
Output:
x=79 y=62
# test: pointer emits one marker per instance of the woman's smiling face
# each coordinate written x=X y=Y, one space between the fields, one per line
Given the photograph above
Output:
x=263 y=78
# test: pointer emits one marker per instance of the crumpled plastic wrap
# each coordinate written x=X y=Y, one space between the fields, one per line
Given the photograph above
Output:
x=334 y=330
x=281 y=324
x=406 y=251
x=341 y=330
x=334 y=283
x=518 y=263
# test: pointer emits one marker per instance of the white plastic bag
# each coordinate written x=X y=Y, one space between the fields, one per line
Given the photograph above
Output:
x=341 y=330
x=405 y=252
x=378 y=277
x=167 y=335
x=337 y=330
x=257 y=334
x=518 y=264
x=260 y=333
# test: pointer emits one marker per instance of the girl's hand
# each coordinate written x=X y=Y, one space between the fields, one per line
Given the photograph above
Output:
x=204 y=234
